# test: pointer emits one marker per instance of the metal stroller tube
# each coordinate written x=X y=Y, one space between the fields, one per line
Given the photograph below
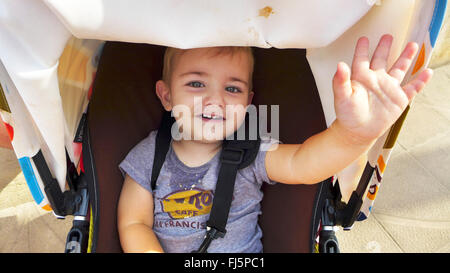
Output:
x=327 y=239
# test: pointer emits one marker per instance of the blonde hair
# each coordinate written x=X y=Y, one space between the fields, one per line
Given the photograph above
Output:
x=171 y=54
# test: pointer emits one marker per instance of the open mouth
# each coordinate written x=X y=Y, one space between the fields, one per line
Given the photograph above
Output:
x=210 y=117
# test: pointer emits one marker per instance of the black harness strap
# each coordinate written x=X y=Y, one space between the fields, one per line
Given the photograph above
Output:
x=232 y=158
x=162 y=144
x=235 y=155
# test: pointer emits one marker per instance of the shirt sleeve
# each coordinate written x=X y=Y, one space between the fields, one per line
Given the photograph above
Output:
x=260 y=161
x=138 y=163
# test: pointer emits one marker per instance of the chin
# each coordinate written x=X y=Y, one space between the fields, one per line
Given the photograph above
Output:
x=210 y=138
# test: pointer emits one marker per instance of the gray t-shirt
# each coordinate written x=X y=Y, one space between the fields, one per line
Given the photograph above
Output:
x=183 y=199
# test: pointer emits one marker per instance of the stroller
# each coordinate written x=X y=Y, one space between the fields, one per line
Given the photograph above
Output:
x=76 y=102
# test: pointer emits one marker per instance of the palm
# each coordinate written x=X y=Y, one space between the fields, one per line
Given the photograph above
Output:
x=370 y=98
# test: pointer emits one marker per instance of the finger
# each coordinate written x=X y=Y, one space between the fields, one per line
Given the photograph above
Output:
x=361 y=56
x=381 y=54
x=415 y=86
x=403 y=63
x=341 y=82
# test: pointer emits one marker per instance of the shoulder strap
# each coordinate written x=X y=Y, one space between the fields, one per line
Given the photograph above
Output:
x=162 y=144
x=247 y=149
x=235 y=155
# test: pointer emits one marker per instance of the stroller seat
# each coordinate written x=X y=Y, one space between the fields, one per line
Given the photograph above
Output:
x=124 y=109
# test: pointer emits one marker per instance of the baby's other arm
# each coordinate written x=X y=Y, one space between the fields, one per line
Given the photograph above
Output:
x=135 y=219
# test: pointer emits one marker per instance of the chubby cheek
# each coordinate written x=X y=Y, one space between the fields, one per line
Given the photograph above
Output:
x=184 y=100
x=235 y=118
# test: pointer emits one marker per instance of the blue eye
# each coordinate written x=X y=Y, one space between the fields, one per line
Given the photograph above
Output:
x=233 y=89
x=196 y=84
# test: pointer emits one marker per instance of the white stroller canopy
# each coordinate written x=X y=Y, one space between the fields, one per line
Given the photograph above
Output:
x=34 y=33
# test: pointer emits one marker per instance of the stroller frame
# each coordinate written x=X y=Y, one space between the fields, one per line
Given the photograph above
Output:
x=81 y=199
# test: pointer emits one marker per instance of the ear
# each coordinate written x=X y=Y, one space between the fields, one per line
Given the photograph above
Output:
x=163 y=93
x=250 y=97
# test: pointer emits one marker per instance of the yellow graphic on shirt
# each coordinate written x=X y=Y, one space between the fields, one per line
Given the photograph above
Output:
x=184 y=204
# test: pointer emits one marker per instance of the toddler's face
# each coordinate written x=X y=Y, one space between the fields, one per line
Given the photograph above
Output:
x=208 y=93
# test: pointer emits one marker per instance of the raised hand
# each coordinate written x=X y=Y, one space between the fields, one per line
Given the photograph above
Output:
x=369 y=98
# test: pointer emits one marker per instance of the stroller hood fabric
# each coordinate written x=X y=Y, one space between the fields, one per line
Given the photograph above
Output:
x=49 y=50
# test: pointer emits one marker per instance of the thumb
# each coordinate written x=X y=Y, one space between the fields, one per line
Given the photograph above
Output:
x=342 y=87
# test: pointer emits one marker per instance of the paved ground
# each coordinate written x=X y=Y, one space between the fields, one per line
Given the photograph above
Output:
x=24 y=226
x=412 y=209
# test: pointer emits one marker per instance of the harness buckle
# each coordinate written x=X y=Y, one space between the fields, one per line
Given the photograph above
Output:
x=211 y=234
x=232 y=156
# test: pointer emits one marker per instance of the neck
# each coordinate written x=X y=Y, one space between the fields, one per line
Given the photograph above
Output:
x=195 y=153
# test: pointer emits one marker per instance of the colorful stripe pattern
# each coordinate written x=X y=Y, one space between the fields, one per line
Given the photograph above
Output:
x=423 y=57
x=76 y=72
x=437 y=20
x=29 y=172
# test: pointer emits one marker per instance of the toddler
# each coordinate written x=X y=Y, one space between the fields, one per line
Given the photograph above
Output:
x=208 y=91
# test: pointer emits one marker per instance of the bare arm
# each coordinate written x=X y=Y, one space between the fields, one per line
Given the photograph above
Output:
x=318 y=158
x=367 y=101
x=135 y=219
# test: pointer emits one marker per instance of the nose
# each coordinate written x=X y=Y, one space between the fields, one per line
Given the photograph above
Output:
x=214 y=97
